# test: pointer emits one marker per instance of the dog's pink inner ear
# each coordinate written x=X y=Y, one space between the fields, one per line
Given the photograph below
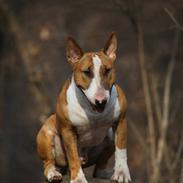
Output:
x=111 y=46
x=74 y=52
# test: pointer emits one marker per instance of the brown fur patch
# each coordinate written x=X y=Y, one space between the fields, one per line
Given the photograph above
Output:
x=45 y=145
x=121 y=130
x=107 y=71
x=66 y=130
x=85 y=64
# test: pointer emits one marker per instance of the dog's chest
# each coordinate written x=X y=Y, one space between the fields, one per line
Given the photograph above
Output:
x=91 y=126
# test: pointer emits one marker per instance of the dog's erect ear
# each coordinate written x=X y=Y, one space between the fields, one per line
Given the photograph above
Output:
x=111 y=46
x=73 y=51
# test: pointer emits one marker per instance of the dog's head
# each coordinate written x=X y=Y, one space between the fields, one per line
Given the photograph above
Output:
x=94 y=71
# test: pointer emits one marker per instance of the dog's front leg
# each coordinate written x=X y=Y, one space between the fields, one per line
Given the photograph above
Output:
x=70 y=144
x=121 y=170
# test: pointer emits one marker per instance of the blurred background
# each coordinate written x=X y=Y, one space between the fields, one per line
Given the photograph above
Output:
x=149 y=65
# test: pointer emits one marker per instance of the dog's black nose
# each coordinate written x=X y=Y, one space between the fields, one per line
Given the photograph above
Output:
x=100 y=103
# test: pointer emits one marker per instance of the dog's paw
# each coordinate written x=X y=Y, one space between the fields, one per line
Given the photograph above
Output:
x=80 y=178
x=121 y=170
x=54 y=176
x=121 y=176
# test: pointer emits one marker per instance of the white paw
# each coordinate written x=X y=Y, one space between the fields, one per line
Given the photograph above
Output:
x=121 y=176
x=80 y=178
x=54 y=176
x=121 y=170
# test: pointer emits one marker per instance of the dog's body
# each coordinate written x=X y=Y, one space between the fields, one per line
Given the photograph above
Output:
x=91 y=126
x=90 y=112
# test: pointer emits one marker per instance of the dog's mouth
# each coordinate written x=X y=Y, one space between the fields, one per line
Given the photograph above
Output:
x=99 y=107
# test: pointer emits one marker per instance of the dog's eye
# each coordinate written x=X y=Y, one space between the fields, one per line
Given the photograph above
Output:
x=107 y=71
x=87 y=72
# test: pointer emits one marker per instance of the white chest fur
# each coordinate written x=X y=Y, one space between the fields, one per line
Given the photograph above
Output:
x=91 y=126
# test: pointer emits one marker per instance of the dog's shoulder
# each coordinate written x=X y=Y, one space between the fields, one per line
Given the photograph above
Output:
x=61 y=105
x=121 y=98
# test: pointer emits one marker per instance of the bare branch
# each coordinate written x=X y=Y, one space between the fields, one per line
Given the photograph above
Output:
x=177 y=24
x=133 y=14
x=171 y=165
x=155 y=152
x=178 y=154
x=137 y=133
x=167 y=157
x=176 y=107
x=146 y=89
x=181 y=175
x=22 y=46
x=156 y=101
x=166 y=106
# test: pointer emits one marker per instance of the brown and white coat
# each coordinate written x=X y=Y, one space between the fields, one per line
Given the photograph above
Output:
x=90 y=109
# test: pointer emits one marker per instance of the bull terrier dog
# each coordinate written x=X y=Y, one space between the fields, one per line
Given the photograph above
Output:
x=89 y=124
